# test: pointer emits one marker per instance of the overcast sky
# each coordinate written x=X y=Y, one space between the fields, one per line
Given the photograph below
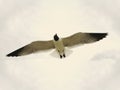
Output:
x=88 y=67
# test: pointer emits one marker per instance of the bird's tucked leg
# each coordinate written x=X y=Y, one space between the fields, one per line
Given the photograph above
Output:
x=61 y=56
x=64 y=55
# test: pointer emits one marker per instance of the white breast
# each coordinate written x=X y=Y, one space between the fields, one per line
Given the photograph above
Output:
x=59 y=45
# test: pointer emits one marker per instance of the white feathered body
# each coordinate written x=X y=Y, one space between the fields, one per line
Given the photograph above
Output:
x=59 y=46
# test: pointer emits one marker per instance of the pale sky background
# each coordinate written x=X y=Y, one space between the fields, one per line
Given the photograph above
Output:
x=89 y=67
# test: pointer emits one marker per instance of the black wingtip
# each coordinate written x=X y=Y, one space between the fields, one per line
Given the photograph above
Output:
x=15 y=53
x=98 y=36
x=12 y=55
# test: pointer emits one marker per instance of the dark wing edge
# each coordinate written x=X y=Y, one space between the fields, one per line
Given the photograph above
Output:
x=83 y=38
x=16 y=52
x=98 y=36
x=32 y=48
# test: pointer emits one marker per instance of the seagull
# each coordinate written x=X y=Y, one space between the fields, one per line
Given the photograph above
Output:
x=58 y=43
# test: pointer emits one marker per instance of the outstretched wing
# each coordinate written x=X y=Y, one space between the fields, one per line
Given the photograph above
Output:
x=83 y=38
x=33 y=47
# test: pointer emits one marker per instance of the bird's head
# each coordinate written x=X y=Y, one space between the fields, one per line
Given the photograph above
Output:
x=56 y=38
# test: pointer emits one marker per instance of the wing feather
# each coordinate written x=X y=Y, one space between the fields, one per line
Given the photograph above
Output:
x=82 y=38
x=32 y=48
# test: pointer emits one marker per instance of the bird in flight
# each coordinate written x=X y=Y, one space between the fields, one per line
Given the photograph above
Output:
x=59 y=43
